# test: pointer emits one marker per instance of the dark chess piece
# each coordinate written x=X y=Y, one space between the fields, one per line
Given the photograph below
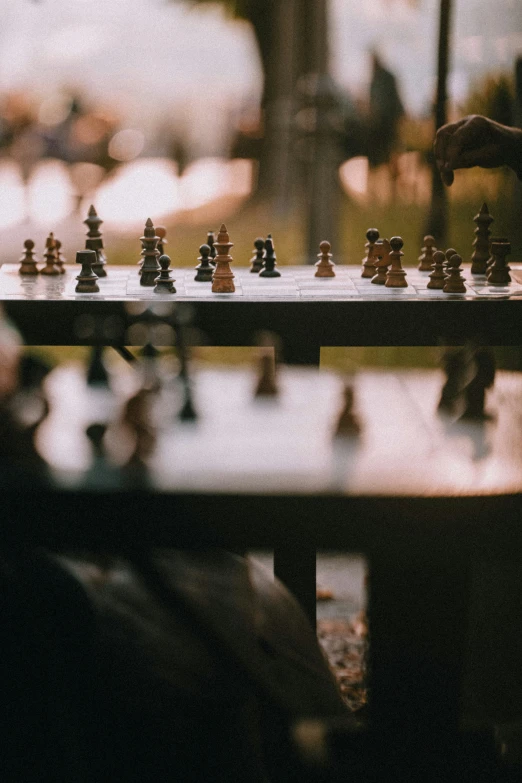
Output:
x=150 y=267
x=475 y=392
x=28 y=260
x=325 y=266
x=368 y=262
x=426 y=256
x=161 y=232
x=381 y=262
x=347 y=424
x=97 y=374
x=60 y=259
x=187 y=411
x=50 y=267
x=269 y=269
x=480 y=256
x=210 y=242
x=267 y=384
x=438 y=276
x=94 y=241
x=498 y=270
x=164 y=282
x=448 y=253
x=223 y=278
x=258 y=259
x=205 y=270
x=396 y=276
x=87 y=279
x=454 y=283
x=460 y=369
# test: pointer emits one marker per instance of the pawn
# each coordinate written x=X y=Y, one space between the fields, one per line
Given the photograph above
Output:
x=161 y=232
x=395 y=277
x=210 y=242
x=325 y=266
x=268 y=269
x=426 y=256
x=60 y=260
x=454 y=283
x=258 y=259
x=87 y=279
x=449 y=252
x=205 y=270
x=498 y=271
x=50 y=267
x=164 y=282
x=347 y=424
x=28 y=259
x=438 y=276
x=267 y=385
x=382 y=261
x=368 y=263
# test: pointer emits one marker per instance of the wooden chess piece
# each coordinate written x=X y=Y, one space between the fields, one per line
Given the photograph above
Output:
x=347 y=424
x=60 y=260
x=498 y=271
x=205 y=270
x=454 y=283
x=382 y=251
x=448 y=253
x=210 y=242
x=223 y=278
x=426 y=257
x=150 y=266
x=87 y=279
x=480 y=256
x=267 y=384
x=50 y=267
x=460 y=369
x=258 y=259
x=164 y=282
x=325 y=266
x=269 y=269
x=368 y=262
x=396 y=276
x=94 y=241
x=161 y=232
x=475 y=391
x=28 y=260
x=438 y=276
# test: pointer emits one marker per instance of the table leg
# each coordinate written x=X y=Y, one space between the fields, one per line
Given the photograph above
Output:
x=295 y=566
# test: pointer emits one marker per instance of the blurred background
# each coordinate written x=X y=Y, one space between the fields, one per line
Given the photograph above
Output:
x=312 y=119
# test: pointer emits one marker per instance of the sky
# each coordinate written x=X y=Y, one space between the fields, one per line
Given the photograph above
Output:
x=151 y=55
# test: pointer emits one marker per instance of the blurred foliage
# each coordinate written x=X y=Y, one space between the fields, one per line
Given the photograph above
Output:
x=494 y=98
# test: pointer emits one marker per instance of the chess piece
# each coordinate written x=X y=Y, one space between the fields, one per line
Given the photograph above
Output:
x=28 y=259
x=460 y=369
x=164 y=282
x=97 y=374
x=150 y=267
x=269 y=269
x=381 y=261
x=325 y=266
x=426 y=257
x=448 y=253
x=223 y=278
x=50 y=267
x=480 y=256
x=368 y=262
x=205 y=270
x=258 y=259
x=60 y=260
x=210 y=242
x=266 y=385
x=396 y=276
x=498 y=270
x=475 y=391
x=347 y=424
x=94 y=242
x=161 y=232
x=438 y=276
x=454 y=283
x=87 y=279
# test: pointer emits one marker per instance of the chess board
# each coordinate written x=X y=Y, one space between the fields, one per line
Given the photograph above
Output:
x=296 y=283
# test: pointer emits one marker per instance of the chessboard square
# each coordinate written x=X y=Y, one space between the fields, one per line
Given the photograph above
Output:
x=333 y=293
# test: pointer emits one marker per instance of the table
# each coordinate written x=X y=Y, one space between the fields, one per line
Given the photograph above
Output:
x=306 y=313
x=421 y=497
